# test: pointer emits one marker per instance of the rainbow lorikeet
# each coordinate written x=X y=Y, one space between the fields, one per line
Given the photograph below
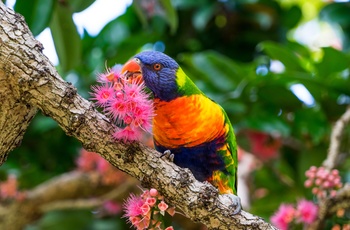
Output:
x=193 y=127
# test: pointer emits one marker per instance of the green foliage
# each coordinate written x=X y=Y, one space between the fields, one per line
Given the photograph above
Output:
x=37 y=13
x=67 y=40
x=228 y=48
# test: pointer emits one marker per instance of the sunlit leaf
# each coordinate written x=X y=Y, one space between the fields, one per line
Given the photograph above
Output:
x=170 y=14
x=66 y=38
x=292 y=16
x=214 y=68
x=79 y=5
x=336 y=13
x=37 y=13
x=333 y=61
x=283 y=54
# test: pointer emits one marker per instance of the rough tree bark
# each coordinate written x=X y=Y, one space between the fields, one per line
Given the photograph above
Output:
x=30 y=82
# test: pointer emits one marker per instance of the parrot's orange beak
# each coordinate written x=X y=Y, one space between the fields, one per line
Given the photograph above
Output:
x=132 y=71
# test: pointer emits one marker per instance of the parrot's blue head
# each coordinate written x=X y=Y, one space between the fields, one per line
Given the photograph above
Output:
x=158 y=72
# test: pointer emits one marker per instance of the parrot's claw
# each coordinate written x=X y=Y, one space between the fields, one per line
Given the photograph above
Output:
x=236 y=202
x=168 y=155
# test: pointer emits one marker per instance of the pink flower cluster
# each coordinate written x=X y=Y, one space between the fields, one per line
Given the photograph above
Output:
x=324 y=182
x=287 y=215
x=90 y=161
x=147 y=211
x=9 y=189
x=126 y=102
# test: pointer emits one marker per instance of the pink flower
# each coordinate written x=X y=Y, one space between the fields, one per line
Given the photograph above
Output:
x=322 y=181
x=307 y=211
x=87 y=161
x=171 y=211
x=117 y=109
x=151 y=201
x=162 y=206
x=102 y=94
x=333 y=193
x=129 y=133
x=128 y=119
x=112 y=207
x=153 y=192
x=135 y=91
x=134 y=220
x=143 y=115
x=145 y=194
x=132 y=206
x=264 y=145
x=143 y=224
x=147 y=214
x=112 y=75
x=145 y=208
x=169 y=228
x=8 y=188
x=308 y=183
x=102 y=165
x=126 y=102
x=284 y=215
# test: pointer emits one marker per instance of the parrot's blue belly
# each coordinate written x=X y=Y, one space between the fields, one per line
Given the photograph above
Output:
x=202 y=160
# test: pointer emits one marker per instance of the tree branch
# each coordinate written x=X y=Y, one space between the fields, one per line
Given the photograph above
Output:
x=45 y=197
x=35 y=83
x=116 y=193
x=336 y=137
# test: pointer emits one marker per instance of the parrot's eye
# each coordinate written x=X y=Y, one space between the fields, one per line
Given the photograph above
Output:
x=157 y=66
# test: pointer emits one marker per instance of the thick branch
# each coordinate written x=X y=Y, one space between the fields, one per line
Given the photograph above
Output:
x=15 y=115
x=37 y=84
x=336 y=137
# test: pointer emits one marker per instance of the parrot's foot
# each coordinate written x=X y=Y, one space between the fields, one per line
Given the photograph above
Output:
x=168 y=155
x=236 y=203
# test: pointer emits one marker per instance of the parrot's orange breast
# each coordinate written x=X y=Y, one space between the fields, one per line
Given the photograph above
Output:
x=187 y=121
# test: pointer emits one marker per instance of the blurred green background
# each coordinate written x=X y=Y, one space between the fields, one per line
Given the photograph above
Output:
x=279 y=68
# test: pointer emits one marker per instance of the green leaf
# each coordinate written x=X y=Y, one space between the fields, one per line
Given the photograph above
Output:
x=336 y=13
x=66 y=38
x=333 y=61
x=291 y=17
x=203 y=15
x=278 y=52
x=140 y=13
x=217 y=70
x=79 y=5
x=170 y=15
x=311 y=124
x=37 y=13
x=271 y=93
x=267 y=122
x=299 y=49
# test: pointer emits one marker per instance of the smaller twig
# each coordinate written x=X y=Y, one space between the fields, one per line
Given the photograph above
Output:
x=335 y=141
x=89 y=203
